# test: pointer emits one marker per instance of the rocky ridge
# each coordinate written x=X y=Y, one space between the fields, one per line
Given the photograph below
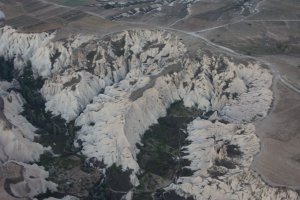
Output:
x=221 y=156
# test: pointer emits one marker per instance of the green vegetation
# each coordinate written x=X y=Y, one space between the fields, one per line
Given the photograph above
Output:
x=115 y=184
x=64 y=163
x=281 y=47
x=233 y=150
x=215 y=172
x=118 y=46
x=170 y=195
x=162 y=147
x=54 y=57
x=55 y=132
x=160 y=155
x=47 y=124
x=229 y=164
x=29 y=89
x=6 y=70
x=177 y=109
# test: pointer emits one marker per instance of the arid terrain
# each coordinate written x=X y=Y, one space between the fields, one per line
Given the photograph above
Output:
x=113 y=72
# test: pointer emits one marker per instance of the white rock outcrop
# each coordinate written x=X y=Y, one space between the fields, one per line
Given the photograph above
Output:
x=23 y=48
x=142 y=51
x=68 y=197
x=17 y=134
x=17 y=148
x=114 y=122
x=221 y=155
x=24 y=180
x=68 y=94
x=116 y=87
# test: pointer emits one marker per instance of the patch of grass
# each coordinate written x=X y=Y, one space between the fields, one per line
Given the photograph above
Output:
x=178 y=109
x=118 y=179
x=225 y=163
x=64 y=163
x=52 y=130
x=233 y=150
x=54 y=57
x=170 y=195
x=158 y=162
x=160 y=155
x=118 y=46
x=47 y=124
x=185 y=172
x=214 y=172
x=6 y=70
x=161 y=147
x=142 y=196
x=148 y=184
x=115 y=184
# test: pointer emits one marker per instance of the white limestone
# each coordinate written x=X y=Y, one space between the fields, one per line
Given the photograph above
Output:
x=68 y=197
x=34 y=182
x=17 y=134
x=117 y=87
x=67 y=95
x=113 y=123
x=23 y=47
x=209 y=154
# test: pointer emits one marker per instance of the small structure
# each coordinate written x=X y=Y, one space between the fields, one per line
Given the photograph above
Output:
x=2 y=18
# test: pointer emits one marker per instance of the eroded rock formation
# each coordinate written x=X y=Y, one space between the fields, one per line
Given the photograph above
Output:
x=116 y=87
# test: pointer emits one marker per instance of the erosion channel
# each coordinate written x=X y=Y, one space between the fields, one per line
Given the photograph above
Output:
x=160 y=156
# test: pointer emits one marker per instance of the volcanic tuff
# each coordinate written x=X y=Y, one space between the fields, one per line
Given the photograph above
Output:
x=117 y=86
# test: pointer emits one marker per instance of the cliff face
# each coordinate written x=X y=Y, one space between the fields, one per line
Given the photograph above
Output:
x=17 y=148
x=221 y=155
x=17 y=133
x=116 y=87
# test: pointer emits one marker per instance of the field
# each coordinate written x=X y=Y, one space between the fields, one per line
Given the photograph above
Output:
x=74 y=2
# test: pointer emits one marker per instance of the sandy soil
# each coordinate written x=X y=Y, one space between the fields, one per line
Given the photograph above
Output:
x=8 y=173
x=279 y=160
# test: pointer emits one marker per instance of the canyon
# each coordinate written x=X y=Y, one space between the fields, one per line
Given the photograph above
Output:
x=138 y=111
